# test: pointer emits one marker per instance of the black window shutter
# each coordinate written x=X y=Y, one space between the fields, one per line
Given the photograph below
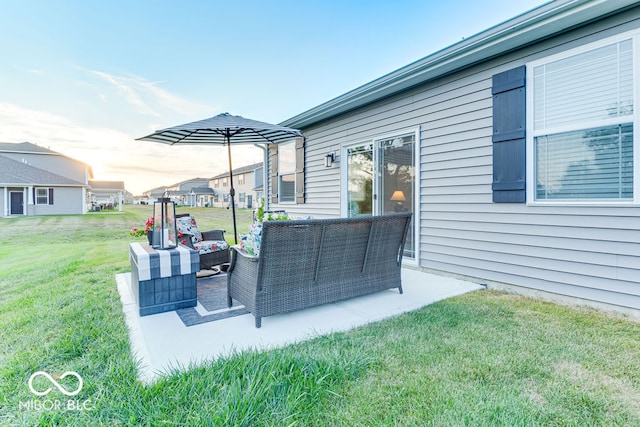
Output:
x=509 y=143
x=51 y=196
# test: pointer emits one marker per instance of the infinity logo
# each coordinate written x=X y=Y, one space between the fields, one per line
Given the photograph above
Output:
x=55 y=383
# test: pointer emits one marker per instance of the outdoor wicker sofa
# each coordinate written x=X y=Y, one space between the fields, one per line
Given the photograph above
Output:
x=303 y=263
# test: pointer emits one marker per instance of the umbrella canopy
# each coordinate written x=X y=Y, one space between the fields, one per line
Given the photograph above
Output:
x=224 y=129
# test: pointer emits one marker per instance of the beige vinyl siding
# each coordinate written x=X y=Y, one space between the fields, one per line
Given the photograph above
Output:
x=589 y=252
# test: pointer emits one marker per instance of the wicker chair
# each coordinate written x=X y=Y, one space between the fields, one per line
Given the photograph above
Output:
x=303 y=263
x=211 y=245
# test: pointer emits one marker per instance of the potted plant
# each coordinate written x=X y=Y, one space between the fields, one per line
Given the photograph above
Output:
x=146 y=231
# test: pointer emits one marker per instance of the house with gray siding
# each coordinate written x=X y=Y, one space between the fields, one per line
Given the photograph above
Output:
x=515 y=149
x=192 y=192
x=37 y=181
x=247 y=182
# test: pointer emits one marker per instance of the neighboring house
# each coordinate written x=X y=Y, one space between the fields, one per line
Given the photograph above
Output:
x=193 y=192
x=107 y=194
x=37 y=181
x=247 y=182
x=515 y=148
x=200 y=196
x=152 y=195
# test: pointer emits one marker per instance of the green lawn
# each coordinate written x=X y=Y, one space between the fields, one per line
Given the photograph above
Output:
x=485 y=358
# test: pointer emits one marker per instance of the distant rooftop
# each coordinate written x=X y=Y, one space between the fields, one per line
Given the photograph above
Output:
x=20 y=173
x=30 y=148
x=24 y=147
x=243 y=169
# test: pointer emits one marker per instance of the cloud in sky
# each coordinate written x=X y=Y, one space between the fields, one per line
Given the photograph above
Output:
x=108 y=144
x=125 y=88
x=115 y=155
x=147 y=97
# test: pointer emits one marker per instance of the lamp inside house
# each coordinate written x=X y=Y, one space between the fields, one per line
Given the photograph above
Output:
x=164 y=224
x=398 y=197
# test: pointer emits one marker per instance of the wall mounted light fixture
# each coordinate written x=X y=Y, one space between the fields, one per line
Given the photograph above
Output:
x=329 y=159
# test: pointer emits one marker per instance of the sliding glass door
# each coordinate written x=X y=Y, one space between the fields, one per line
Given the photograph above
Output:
x=380 y=177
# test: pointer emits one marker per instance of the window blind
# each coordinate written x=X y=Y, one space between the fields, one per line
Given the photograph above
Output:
x=595 y=163
x=583 y=88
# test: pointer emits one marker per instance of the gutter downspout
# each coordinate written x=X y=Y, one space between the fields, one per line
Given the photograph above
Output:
x=264 y=174
x=84 y=200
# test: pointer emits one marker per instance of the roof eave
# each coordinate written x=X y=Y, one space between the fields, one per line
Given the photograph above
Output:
x=35 y=184
x=539 y=23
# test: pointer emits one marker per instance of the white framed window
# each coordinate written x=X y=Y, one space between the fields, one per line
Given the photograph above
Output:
x=42 y=196
x=287 y=172
x=241 y=179
x=581 y=141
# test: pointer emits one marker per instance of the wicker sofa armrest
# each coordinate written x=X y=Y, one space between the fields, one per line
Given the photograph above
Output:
x=239 y=256
x=213 y=235
x=242 y=280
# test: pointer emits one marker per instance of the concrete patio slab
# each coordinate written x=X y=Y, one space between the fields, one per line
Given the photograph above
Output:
x=162 y=342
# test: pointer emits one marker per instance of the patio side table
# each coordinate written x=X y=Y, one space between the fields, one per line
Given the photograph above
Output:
x=163 y=280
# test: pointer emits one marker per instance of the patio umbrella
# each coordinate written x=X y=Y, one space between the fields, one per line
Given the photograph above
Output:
x=224 y=129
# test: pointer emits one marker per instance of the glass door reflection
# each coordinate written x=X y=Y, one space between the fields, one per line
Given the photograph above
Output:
x=396 y=180
x=360 y=180
x=381 y=180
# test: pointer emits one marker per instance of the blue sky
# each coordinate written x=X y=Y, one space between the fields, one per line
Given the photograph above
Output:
x=86 y=78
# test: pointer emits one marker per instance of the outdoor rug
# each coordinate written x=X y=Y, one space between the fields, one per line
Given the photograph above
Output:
x=212 y=302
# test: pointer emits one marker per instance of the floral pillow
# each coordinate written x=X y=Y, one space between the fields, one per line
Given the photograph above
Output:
x=251 y=242
x=246 y=243
x=187 y=225
x=209 y=246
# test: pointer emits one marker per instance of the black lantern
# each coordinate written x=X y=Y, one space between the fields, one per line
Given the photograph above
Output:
x=164 y=224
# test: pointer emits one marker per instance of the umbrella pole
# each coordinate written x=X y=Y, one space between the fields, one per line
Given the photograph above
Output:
x=232 y=193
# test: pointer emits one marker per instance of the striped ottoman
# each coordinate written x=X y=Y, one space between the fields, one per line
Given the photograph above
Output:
x=163 y=280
